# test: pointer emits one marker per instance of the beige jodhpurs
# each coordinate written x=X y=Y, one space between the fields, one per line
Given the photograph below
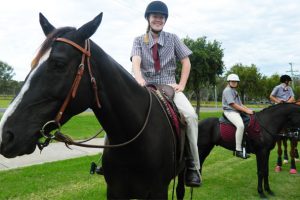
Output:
x=236 y=119
x=186 y=109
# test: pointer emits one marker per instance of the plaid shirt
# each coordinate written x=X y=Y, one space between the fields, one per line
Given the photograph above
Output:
x=170 y=48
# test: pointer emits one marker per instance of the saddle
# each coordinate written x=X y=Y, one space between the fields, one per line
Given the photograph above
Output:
x=227 y=129
x=165 y=94
x=245 y=118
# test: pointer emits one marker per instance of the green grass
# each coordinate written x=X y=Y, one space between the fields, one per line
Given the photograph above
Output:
x=82 y=126
x=67 y=179
x=4 y=103
x=224 y=177
x=204 y=115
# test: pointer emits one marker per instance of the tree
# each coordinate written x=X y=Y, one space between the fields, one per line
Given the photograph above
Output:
x=6 y=74
x=250 y=79
x=206 y=65
x=270 y=83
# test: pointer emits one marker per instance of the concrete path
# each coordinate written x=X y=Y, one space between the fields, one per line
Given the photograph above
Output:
x=54 y=152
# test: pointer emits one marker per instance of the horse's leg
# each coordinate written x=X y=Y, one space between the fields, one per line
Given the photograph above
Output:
x=279 y=153
x=296 y=151
x=293 y=169
x=266 y=175
x=260 y=174
x=285 y=151
x=180 y=189
x=203 y=153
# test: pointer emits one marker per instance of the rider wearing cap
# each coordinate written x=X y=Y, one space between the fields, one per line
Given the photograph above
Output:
x=154 y=56
x=232 y=106
x=283 y=93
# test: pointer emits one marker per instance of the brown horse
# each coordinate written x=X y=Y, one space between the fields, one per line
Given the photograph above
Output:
x=293 y=153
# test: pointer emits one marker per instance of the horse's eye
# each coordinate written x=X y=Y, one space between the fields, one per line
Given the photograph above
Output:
x=59 y=64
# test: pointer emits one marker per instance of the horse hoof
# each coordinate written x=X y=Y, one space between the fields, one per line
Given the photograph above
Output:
x=262 y=195
x=285 y=161
x=270 y=192
x=278 y=168
x=293 y=171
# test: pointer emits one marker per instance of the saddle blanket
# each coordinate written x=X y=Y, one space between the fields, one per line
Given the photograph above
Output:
x=227 y=130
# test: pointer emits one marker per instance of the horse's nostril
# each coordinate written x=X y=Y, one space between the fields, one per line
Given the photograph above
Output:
x=9 y=137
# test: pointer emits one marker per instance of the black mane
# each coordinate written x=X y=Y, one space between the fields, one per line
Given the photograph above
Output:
x=275 y=106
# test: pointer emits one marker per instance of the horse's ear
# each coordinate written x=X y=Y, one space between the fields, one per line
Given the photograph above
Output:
x=88 y=29
x=46 y=26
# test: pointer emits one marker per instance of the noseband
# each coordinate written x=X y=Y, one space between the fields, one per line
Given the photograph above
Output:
x=86 y=54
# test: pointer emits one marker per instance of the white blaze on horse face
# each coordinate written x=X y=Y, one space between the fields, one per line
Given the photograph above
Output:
x=12 y=107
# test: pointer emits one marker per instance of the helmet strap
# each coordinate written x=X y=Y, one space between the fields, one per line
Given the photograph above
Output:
x=286 y=83
x=155 y=32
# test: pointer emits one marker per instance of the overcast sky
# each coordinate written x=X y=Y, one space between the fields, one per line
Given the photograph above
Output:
x=261 y=32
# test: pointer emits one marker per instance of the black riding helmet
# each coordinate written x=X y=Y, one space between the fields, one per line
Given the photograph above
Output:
x=285 y=78
x=157 y=7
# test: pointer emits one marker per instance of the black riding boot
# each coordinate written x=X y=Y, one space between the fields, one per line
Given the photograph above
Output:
x=192 y=175
x=241 y=155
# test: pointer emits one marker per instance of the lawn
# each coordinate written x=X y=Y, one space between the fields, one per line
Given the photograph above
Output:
x=224 y=176
x=5 y=100
x=82 y=126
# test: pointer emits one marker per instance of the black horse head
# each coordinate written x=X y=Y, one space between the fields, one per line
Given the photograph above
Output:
x=45 y=88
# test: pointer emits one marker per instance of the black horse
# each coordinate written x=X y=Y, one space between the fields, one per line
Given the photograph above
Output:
x=143 y=168
x=261 y=139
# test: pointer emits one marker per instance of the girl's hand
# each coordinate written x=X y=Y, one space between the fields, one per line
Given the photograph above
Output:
x=250 y=112
x=141 y=81
x=177 y=87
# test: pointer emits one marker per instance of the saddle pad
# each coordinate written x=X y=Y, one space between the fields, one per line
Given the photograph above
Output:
x=227 y=131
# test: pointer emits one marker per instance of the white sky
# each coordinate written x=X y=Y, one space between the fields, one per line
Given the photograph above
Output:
x=261 y=32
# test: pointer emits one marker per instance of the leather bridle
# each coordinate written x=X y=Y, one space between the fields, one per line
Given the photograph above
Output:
x=86 y=54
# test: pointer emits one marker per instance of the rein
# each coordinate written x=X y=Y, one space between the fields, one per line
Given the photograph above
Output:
x=261 y=125
x=58 y=136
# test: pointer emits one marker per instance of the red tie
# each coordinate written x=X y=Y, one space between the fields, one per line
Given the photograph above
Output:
x=156 y=57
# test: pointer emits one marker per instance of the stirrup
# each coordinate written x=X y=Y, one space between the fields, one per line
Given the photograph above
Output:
x=240 y=154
